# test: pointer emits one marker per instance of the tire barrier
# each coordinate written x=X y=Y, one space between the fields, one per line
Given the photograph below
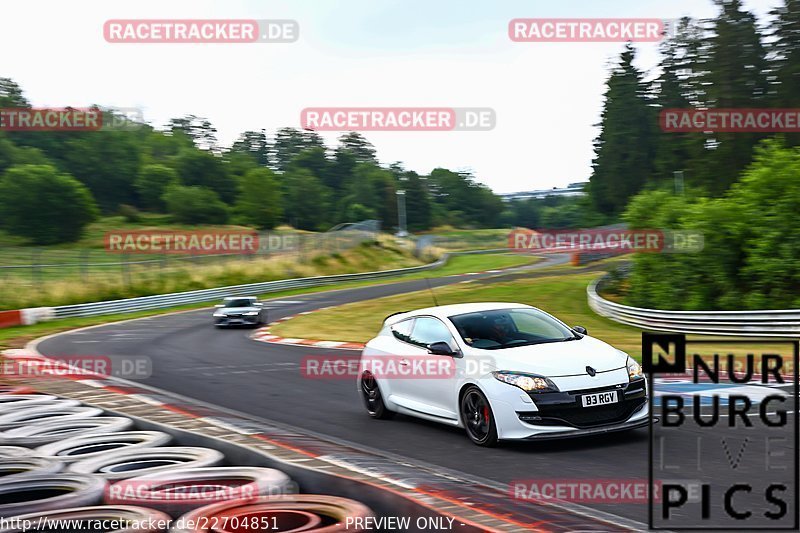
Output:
x=34 y=415
x=96 y=445
x=302 y=512
x=15 y=467
x=142 y=461
x=55 y=430
x=9 y=399
x=14 y=451
x=37 y=493
x=9 y=407
x=143 y=518
x=61 y=461
x=177 y=492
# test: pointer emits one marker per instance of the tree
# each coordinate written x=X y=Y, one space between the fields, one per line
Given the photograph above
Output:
x=750 y=251
x=418 y=202
x=785 y=50
x=341 y=170
x=625 y=148
x=254 y=144
x=41 y=204
x=289 y=142
x=204 y=169
x=11 y=94
x=359 y=146
x=734 y=76
x=307 y=199
x=312 y=159
x=200 y=130
x=152 y=182
x=464 y=201
x=678 y=86
x=195 y=205
x=260 y=201
x=238 y=164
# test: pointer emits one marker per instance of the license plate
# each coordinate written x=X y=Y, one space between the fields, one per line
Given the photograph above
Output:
x=599 y=398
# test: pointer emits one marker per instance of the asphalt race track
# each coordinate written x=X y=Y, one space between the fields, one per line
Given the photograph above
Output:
x=227 y=368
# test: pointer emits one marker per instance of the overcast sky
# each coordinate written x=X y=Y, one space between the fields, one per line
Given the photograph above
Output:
x=355 y=53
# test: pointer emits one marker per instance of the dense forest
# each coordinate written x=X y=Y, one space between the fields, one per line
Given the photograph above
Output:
x=741 y=190
x=260 y=181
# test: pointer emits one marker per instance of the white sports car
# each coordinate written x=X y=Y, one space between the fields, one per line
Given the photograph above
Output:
x=501 y=371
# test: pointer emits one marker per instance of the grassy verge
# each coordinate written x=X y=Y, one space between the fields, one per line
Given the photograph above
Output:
x=470 y=239
x=150 y=279
x=556 y=290
x=17 y=337
x=562 y=295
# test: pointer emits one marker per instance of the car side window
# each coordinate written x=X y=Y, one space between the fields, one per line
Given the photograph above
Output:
x=428 y=330
x=402 y=330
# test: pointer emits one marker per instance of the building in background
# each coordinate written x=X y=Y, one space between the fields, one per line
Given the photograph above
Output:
x=573 y=189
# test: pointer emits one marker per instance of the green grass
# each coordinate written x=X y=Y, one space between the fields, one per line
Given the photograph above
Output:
x=461 y=264
x=561 y=295
x=192 y=275
x=470 y=239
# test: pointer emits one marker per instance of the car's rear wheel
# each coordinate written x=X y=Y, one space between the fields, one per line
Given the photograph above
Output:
x=476 y=414
x=373 y=401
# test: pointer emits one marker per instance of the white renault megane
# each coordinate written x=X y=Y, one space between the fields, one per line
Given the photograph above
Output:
x=501 y=371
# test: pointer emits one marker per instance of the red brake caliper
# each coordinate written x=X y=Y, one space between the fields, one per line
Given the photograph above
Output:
x=486 y=413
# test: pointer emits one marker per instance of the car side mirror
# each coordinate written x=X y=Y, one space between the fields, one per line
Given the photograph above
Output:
x=580 y=329
x=440 y=348
x=258 y=304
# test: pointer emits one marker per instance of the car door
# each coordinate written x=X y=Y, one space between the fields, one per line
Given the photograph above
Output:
x=435 y=392
x=391 y=351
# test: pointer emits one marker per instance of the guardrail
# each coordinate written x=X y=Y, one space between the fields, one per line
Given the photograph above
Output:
x=158 y=301
x=767 y=323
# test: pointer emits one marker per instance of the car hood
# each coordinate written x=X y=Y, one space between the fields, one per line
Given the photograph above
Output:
x=556 y=359
x=236 y=310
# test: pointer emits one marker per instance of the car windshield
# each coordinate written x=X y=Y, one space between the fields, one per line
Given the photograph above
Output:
x=239 y=302
x=509 y=328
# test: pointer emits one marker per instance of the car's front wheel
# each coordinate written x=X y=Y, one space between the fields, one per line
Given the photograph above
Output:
x=476 y=414
x=373 y=401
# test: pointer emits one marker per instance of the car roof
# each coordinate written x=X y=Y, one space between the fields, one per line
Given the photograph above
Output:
x=240 y=298
x=444 y=311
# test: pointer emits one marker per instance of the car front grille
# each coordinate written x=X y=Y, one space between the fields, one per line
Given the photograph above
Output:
x=571 y=413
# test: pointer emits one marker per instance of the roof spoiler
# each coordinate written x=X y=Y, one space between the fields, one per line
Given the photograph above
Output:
x=393 y=314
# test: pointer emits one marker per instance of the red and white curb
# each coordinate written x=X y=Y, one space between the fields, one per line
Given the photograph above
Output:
x=263 y=334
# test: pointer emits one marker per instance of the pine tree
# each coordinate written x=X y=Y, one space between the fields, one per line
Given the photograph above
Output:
x=624 y=150
x=785 y=55
x=735 y=76
x=678 y=87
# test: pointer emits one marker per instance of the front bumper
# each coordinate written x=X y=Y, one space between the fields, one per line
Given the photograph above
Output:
x=601 y=430
x=236 y=320
x=520 y=416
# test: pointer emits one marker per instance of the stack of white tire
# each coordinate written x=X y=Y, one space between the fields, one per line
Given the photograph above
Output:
x=62 y=461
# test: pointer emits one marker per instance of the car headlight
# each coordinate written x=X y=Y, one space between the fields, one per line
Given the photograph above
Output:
x=526 y=382
x=634 y=370
x=251 y=313
x=219 y=315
